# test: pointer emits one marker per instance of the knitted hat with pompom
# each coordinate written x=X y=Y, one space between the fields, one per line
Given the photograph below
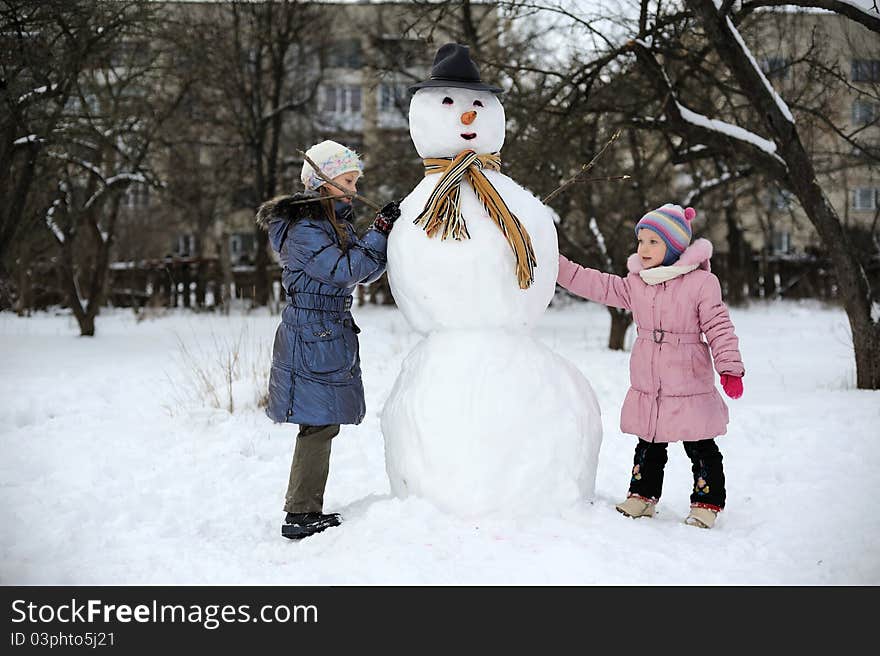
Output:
x=673 y=224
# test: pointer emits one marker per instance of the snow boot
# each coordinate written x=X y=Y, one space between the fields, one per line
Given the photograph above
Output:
x=701 y=516
x=635 y=506
x=301 y=525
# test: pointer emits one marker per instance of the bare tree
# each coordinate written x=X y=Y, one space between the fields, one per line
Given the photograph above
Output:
x=780 y=156
x=706 y=95
x=117 y=105
x=261 y=64
x=46 y=47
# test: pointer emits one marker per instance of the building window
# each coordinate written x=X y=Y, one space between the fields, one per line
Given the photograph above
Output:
x=345 y=53
x=87 y=104
x=391 y=96
x=781 y=241
x=866 y=70
x=775 y=67
x=130 y=54
x=864 y=111
x=137 y=196
x=400 y=54
x=865 y=198
x=242 y=247
x=185 y=245
x=341 y=99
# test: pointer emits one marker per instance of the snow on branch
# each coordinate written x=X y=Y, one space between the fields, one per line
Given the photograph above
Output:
x=706 y=186
x=600 y=242
x=36 y=92
x=130 y=177
x=693 y=153
x=783 y=107
x=706 y=131
x=50 y=221
x=91 y=168
x=31 y=138
x=853 y=10
x=114 y=181
x=728 y=130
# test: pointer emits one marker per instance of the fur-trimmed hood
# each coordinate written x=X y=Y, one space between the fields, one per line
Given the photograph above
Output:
x=276 y=215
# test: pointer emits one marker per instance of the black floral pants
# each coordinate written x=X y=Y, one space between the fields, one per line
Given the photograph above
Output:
x=650 y=460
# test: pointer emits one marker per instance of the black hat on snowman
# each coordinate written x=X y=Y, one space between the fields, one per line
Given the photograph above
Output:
x=453 y=67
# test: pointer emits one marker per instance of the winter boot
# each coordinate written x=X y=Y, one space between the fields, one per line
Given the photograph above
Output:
x=701 y=516
x=301 y=525
x=635 y=506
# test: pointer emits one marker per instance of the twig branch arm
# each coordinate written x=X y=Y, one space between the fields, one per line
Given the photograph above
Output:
x=330 y=182
x=584 y=170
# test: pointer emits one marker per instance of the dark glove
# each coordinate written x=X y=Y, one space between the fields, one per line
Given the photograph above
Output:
x=386 y=217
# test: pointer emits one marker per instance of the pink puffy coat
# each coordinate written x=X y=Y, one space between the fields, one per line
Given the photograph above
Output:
x=672 y=393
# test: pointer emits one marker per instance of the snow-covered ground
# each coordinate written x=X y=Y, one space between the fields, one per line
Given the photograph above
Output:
x=112 y=472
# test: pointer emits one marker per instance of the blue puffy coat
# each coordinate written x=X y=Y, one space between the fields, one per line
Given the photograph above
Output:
x=316 y=373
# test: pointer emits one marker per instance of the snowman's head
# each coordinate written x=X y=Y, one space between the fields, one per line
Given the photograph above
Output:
x=443 y=121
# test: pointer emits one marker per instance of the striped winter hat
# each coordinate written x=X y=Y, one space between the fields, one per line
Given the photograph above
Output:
x=673 y=224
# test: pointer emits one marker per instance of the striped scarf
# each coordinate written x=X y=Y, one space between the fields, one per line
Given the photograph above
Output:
x=442 y=212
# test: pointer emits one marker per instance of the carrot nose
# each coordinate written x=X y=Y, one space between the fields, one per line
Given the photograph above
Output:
x=468 y=117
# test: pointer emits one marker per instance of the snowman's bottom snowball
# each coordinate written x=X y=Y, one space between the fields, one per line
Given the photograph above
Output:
x=481 y=422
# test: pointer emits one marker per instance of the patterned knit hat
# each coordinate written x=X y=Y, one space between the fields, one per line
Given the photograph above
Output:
x=673 y=224
x=334 y=159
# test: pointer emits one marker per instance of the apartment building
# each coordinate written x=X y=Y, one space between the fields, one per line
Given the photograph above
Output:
x=369 y=54
x=830 y=64
x=372 y=53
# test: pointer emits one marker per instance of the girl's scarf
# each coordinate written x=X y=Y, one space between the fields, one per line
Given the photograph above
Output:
x=656 y=275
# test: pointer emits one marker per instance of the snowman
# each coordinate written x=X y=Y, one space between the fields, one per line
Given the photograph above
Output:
x=483 y=418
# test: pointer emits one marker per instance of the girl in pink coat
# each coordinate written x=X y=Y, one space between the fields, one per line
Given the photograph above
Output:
x=675 y=302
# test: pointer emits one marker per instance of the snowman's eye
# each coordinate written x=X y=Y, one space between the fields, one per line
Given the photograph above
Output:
x=477 y=103
x=447 y=100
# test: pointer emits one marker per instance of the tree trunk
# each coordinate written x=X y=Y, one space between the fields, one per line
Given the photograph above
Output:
x=261 y=274
x=97 y=289
x=852 y=280
x=185 y=281
x=867 y=348
x=201 y=265
x=224 y=295
x=24 y=303
x=620 y=321
x=11 y=214
x=68 y=274
x=736 y=258
x=86 y=325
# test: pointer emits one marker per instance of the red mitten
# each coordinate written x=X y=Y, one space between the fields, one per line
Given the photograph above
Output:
x=733 y=385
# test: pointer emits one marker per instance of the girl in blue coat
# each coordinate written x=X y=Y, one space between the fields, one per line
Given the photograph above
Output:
x=315 y=380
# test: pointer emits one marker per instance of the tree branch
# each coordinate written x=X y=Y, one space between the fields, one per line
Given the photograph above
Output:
x=871 y=20
x=677 y=119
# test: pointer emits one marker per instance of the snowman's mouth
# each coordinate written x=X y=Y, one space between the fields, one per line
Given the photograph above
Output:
x=469 y=135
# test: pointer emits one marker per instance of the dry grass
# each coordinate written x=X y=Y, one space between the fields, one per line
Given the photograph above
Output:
x=222 y=372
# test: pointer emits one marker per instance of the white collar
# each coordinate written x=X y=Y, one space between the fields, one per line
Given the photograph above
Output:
x=656 y=275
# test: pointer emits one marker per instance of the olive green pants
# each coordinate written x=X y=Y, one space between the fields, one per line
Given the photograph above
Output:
x=309 y=469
